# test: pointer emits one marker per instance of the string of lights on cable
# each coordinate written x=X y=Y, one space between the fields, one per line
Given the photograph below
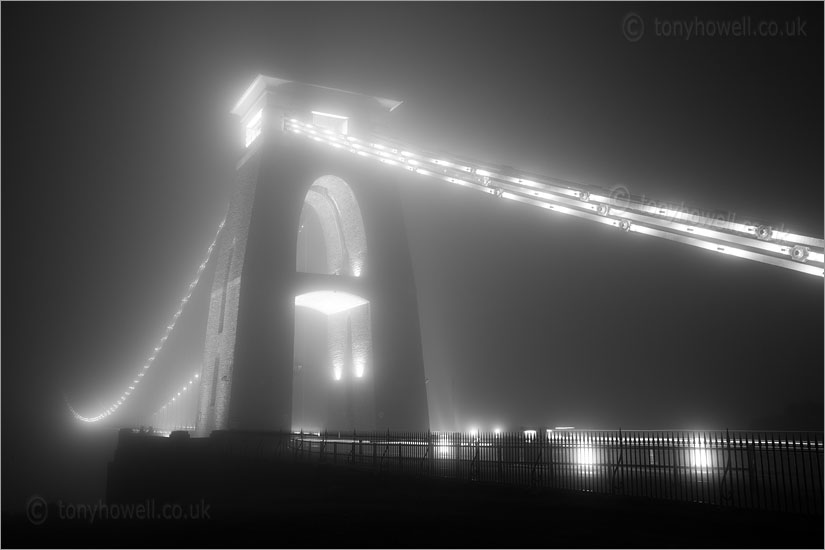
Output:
x=127 y=393
x=177 y=396
x=711 y=231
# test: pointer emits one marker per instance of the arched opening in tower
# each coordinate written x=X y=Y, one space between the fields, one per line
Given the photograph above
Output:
x=333 y=379
x=331 y=238
x=333 y=382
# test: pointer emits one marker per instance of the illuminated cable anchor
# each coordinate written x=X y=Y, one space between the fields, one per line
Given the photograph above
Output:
x=800 y=253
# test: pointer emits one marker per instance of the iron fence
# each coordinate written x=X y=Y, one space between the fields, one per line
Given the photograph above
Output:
x=749 y=470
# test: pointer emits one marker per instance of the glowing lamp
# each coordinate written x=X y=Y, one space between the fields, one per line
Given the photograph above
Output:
x=586 y=456
x=329 y=302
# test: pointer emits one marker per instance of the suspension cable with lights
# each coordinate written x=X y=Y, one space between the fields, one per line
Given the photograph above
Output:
x=159 y=417
x=169 y=328
x=617 y=208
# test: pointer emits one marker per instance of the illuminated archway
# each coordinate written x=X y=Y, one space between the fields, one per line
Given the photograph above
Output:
x=331 y=238
x=333 y=379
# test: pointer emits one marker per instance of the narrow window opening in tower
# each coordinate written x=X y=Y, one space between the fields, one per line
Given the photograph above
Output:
x=254 y=126
x=312 y=246
x=336 y=123
x=215 y=383
x=225 y=289
x=355 y=345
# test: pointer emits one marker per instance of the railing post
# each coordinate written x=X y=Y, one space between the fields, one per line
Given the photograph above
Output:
x=725 y=489
x=796 y=477
x=818 y=471
x=500 y=466
x=386 y=451
x=753 y=478
x=535 y=474
x=474 y=465
x=457 y=449
x=426 y=461
x=614 y=485
x=321 y=455
x=431 y=453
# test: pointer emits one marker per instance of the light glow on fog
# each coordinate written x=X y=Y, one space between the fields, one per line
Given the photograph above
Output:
x=329 y=302
x=587 y=456
x=700 y=455
x=443 y=449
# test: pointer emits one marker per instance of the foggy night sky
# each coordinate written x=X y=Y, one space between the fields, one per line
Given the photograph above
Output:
x=118 y=152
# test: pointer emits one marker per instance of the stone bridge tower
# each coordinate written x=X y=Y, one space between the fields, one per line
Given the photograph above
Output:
x=313 y=320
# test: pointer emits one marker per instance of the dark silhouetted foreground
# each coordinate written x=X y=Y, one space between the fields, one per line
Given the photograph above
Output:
x=198 y=494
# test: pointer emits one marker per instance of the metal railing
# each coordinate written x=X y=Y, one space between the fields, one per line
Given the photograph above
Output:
x=748 y=470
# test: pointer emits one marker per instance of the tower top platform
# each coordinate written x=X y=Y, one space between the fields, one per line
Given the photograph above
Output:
x=297 y=96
